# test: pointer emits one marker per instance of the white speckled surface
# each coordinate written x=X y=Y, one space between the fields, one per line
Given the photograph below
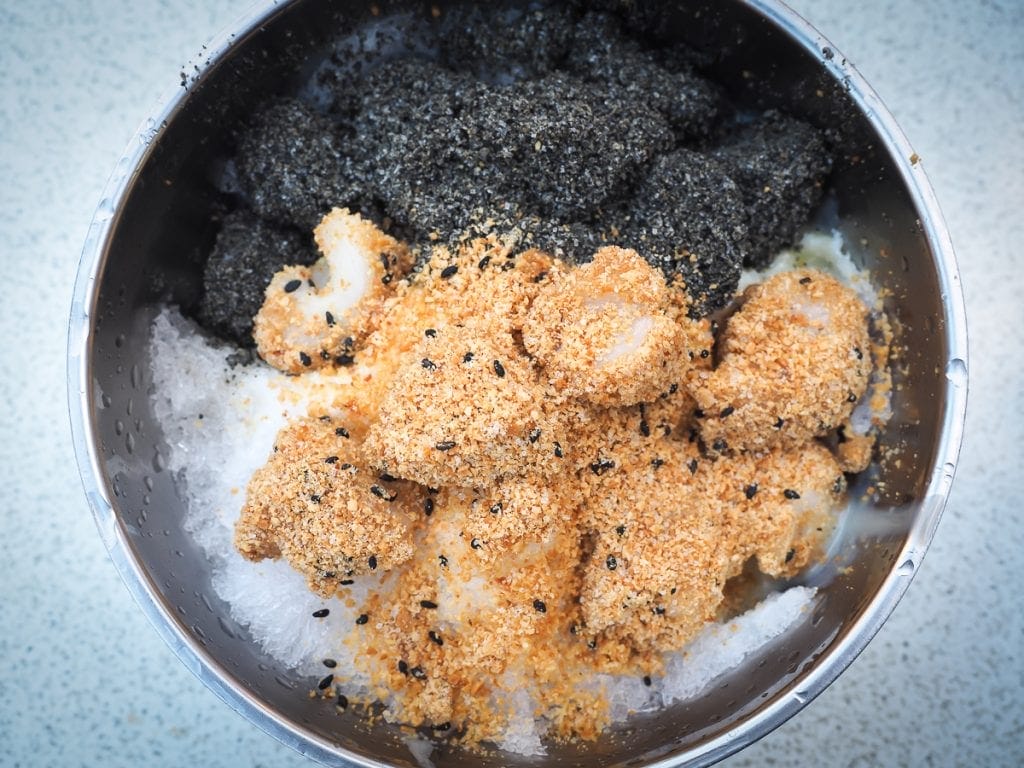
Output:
x=84 y=680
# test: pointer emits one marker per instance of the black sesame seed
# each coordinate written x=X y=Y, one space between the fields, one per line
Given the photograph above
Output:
x=428 y=604
x=315 y=498
x=837 y=486
x=387 y=278
x=601 y=466
x=292 y=286
x=705 y=353
x=658 y=610
x=329 y=317
x=539 y=606
x=482 y=264
x=468 y=357
x=805 y=281
x=430 y=333
x=611 y=562
x=319 y=614
x=698 y=413
x=750 y=491
x=448 y=271
x=573 y=629
x=592 y=644
x=344 y=359
x=380 y=493
x=346 y=465
x=305 y=359
x=657 y=462
x=719 y=445
x=435 y=638
x=790 y=555
x=851 y=398
x=331 y=460
x=372 y=562
x=341 y=432
x=727 y=411
x=428 y=506
x=362 y=619
x=496 y=508
x=789 y=493
x=324 y=684
x=443 y=560
x=499 y=369
x=780 y=422
x=347 y=582
x=442 y=726
x=858 y=353
x=645 y=428
x=540 y=277
x=534 y=435
x=621 y=530
x=418 y=673
x=675 y=387
x=558 y=451
x=386 y=477
x=647 y=680
x=692 y=466
x=325 y=355
x=666 y=429
x=445 y=445
x=475 y=543
x=429 y=364
x=403 y=667
x=341 y=702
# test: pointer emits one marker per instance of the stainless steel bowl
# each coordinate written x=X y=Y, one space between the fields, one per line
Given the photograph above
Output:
x=153 y=227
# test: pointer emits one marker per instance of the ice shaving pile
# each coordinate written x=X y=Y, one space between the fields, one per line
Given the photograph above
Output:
x=473 y=417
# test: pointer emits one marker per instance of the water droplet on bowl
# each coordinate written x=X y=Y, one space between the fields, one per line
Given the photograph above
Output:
x=906 y=567
x=956 y=372
x=118 y=427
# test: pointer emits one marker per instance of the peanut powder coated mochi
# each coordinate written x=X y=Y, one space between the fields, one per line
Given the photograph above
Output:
x=611 y=332
x=793 y=362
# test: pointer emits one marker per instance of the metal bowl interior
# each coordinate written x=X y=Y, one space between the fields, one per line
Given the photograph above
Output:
x=154 y=228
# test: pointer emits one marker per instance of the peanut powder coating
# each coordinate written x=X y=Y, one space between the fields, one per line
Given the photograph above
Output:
x=551 y=471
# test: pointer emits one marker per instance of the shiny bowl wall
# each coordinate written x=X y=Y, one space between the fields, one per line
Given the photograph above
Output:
x=154 y=228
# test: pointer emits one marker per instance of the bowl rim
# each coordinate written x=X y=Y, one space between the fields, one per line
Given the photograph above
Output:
x=216 y=677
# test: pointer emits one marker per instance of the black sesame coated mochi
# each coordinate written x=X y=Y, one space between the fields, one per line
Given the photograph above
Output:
x=247 y=253
x=292 y=165
x=501 y=45
x=780 y=165
x=663 y=79
x=687 y=217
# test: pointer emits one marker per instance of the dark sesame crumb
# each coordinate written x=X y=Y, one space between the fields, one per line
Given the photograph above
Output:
x=443 y=560
x=345 y=360
x=539 y=606
x=449 y=271
x=592 y=644
x=441 y=726
x=329 y=317
x=675 y=387
x=386 y=477
x=698 y=413
x=534 y=435
x=475 y=543
x=429 y=364
x=858 y=353
x=558 y=450
x=611 y=562
x=468 y=357
x=692 y=466
x=659 y=610
x=750 y=491
x=346 y=465
x=372 y=562
x=305 y=359
x=362 y=619
x=429 y=603
x=341 y=432
x=780 y=423
x=705 y=353
x=418 y=673
x=445 y=445
x=292 y=286
x=315 y=498
x=790 y=555
x=573 y=629
x=380 y=493
x=601 y=466
x=341 y=702
x=645 y=428
x=435 y=638
x=428 y=506
x=805 y=281
x=621 y=530
x=496 y=508
x=656 y=462
x=499 y=369
x=719 y=445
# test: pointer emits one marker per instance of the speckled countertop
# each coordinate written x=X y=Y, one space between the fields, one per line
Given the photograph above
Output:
x=84 y=680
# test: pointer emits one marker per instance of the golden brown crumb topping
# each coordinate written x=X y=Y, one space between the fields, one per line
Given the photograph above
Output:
x=581 y=488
